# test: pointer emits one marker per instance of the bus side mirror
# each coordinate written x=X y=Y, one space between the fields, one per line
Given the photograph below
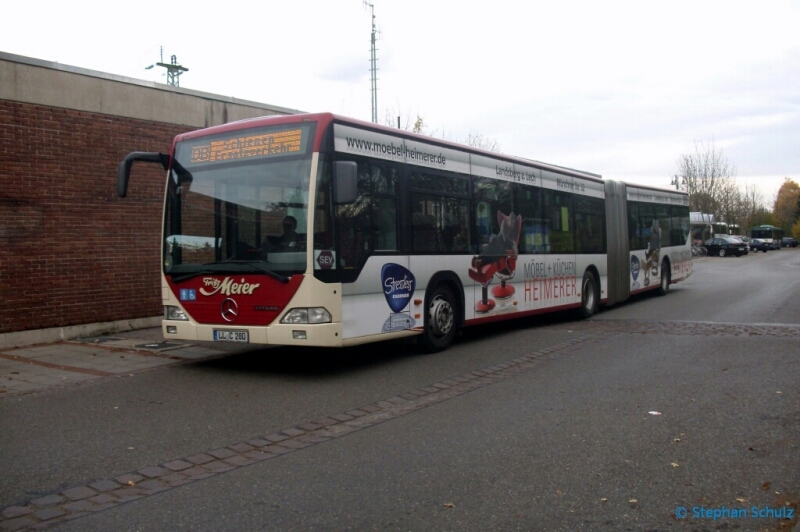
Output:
x=345 y=182
x=124 y=170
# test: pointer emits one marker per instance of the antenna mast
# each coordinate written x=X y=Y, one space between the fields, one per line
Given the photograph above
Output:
x=174 y=69
x=373 y=62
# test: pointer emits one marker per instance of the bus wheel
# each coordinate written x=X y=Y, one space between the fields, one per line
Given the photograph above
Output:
x=589 y=296
x=440 y=320
x=665 y=279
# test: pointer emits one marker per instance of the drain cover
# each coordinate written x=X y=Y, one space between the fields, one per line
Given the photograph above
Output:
x=97 y=339
x=158 y=345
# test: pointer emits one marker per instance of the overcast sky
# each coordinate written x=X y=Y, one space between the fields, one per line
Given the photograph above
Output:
x=621 y=89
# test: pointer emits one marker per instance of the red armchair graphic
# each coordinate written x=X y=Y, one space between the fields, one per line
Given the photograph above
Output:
x=498 y=257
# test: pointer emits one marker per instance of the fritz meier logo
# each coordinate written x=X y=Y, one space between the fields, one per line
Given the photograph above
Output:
x=398 y=285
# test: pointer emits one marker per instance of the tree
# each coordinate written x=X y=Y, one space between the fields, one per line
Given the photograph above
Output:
x=707 y=176
x=786 y=205
x=730 y=202
x=763 y=217
x=479 y=140
x=403 y=120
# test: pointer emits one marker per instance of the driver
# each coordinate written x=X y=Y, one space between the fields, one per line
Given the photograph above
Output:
x=288 y=241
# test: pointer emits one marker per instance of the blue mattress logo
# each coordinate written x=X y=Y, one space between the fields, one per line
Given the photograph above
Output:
x=398 y=285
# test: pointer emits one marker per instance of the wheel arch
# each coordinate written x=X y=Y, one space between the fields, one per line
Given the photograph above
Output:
x=668 y=263
x=596 y=274
x=453 y=282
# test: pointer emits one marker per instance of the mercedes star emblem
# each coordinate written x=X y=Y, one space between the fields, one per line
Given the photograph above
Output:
x=229 y=310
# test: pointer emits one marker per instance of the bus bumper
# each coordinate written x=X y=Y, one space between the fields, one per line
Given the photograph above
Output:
x=317 y=335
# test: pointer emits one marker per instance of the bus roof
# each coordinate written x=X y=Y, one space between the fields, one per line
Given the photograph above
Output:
x=325 y=119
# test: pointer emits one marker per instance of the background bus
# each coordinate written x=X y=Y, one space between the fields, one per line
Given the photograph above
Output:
x=392 y=234
x=770 y=234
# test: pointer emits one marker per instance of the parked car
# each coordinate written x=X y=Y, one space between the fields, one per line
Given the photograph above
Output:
x=746 y=246
x=725 y=245
x=788 y=242
x=757 y=244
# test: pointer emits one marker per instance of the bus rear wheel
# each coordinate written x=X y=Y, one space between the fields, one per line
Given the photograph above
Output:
x=589 y=295
x=665 y=279
x=440 y=320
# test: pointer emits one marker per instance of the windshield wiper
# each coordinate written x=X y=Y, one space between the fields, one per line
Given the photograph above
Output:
x=186 y=276
x=261 y=268
x=209 y=271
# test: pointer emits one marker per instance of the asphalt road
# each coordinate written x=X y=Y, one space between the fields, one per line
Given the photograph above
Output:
x=553 y=433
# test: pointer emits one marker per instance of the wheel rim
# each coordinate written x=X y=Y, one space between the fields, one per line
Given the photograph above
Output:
x=588 y=295
x=721 y=252
x=442 y=316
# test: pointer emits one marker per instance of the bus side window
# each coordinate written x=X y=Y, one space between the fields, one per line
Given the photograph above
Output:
x=354 y=232
x=323 y=237
x=492 y=199
x=560 y=221
x=634 y=231
x=590 y=224
x=370 y=223
x=384 y=217
x=440 y=212
x=384 y=178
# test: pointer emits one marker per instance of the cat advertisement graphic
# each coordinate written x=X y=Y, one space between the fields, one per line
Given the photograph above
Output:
x=497 y=258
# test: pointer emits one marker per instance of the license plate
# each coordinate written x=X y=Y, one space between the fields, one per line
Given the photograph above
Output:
x=231 y=336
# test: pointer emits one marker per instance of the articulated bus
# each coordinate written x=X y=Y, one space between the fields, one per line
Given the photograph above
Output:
x=772 y=235
x=321 y=230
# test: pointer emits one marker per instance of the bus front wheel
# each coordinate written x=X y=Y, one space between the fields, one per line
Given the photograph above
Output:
x=440 y=320
x=589 y=296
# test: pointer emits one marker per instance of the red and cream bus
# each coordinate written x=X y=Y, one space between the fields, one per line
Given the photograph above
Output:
x=320 y=230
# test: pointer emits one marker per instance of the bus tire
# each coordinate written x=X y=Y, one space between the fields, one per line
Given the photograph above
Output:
x=666 y=277
x=589 y=295
x=440 y=320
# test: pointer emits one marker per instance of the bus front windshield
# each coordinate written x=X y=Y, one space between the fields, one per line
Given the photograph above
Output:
x=243 y=215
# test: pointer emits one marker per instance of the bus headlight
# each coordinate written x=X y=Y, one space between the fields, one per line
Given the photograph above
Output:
x=175 y=313
x=307 y=315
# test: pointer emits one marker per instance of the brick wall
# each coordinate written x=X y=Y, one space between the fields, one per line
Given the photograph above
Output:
x=72 y=251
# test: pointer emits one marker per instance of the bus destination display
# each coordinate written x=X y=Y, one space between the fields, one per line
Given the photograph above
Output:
x=262 y=145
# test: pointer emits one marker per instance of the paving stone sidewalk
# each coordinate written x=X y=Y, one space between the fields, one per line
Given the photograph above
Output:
x=36 y=368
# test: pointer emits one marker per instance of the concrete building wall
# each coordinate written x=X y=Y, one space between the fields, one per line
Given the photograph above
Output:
x=71 y=251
